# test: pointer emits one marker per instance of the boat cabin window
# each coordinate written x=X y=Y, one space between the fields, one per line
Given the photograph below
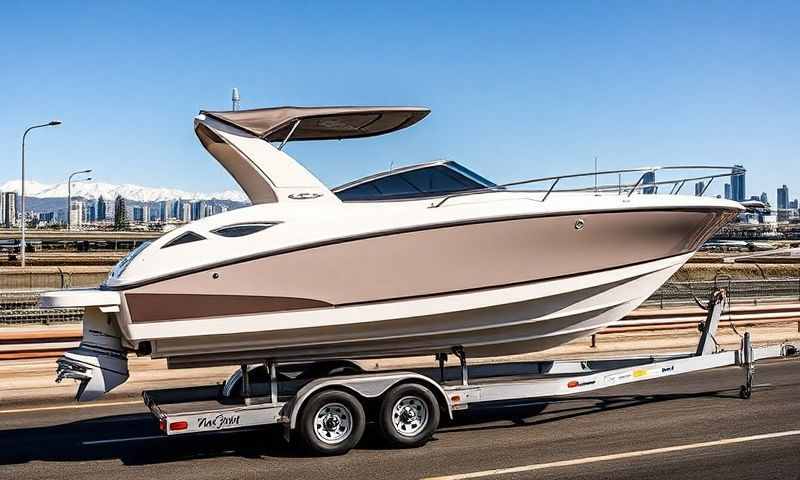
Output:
x=427 y=181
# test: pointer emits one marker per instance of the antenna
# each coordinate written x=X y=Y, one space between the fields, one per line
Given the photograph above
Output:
x=595 y=174
x=235 y=98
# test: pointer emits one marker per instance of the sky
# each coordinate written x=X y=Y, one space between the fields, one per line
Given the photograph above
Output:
x=517 y=89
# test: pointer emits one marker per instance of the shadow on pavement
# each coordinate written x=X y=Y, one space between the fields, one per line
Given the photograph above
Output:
x=135 y=439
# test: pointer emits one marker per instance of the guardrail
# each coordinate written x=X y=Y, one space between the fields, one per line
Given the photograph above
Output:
x=51 y=342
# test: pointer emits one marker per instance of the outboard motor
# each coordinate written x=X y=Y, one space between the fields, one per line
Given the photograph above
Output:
x=100 y=362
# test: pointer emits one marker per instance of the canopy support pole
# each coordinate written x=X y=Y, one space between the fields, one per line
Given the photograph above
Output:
x=294 y=127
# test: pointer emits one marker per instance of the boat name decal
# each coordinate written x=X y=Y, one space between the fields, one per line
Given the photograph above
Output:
x=218 y=422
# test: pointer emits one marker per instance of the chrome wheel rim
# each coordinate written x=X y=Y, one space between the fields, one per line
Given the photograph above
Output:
x=409 y=416
x=333 y=423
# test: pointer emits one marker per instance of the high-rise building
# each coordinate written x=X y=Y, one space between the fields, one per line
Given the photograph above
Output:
x=208 y=210
x=164 y=208
x=793 y=204
x=699 y=187
x=138 y=214
x=120 y=214
x=763 y=198
x=186 y=212
x=2 y=209
x=90 y=213
x=738 y=187
x=76 y=214
x=101 y=209
x=783 y=197
x=177 y=210
x=198 y=209
x=649 y=178
x=10 y=209
x=728 y=191
x=146 y=213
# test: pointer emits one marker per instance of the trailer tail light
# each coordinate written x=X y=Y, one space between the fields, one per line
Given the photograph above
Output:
x=182 y=425
x=162 y=425
x=573 y=384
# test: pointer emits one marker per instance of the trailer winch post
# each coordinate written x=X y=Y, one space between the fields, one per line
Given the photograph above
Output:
x=716 y=304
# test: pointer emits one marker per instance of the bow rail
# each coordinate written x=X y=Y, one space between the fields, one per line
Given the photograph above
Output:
x=642 y=184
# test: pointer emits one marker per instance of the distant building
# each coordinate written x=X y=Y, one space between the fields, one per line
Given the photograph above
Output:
x=177 y=210
x=783 y=197
x=794 y=204
x=699 y=188
x=146 y=213
x=728 y=191
x=47 y=217
x=10 y=209
x=208 y=210
x=76 y=213
x=101 y=209
x=120 y=214
x=2 y=210
x=738 y=187
x=186 y=212
x=165 y=206
x=763 y=198
x=198 y=210
x=90 y=213
x=138 y=214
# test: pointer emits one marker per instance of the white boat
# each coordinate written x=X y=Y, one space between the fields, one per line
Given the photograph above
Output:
x=417 y=260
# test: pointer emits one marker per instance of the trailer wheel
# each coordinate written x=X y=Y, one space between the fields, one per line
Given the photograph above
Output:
x=332 y=422
x=408 y=416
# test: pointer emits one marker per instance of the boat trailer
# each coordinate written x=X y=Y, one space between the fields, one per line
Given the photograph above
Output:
x=327 y=403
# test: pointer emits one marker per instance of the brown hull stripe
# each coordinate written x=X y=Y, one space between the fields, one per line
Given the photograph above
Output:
x=155 y=307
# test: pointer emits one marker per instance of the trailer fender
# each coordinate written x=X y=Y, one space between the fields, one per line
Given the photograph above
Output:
x=367 y=386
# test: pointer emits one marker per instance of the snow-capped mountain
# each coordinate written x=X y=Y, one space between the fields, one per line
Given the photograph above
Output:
x=138 y=193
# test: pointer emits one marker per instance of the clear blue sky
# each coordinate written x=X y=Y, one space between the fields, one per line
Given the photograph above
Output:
x=517 y=89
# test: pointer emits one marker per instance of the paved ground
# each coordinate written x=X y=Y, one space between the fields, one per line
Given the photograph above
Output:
x=673 y=412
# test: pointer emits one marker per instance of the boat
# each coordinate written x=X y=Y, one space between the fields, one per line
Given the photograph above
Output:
x=416 y=260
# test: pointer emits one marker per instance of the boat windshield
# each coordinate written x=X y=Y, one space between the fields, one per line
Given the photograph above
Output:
x=428 y=180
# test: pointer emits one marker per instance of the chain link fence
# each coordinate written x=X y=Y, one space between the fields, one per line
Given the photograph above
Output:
x=739 y=291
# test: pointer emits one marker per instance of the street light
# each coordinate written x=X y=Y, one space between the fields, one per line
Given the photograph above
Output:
x=69 y=194
x=52 y=123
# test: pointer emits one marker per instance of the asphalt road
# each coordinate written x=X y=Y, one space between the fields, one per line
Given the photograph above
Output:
x=626 y=422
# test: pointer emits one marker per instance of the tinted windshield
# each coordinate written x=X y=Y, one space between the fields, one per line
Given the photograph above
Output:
x=433 y=180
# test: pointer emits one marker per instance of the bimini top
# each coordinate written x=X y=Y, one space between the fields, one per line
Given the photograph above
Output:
x=320 y=123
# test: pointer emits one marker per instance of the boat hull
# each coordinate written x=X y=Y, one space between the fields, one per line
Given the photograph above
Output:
x=506 y=321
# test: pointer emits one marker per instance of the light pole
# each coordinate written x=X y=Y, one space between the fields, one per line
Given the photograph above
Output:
x=69 y=195
x=48 y=124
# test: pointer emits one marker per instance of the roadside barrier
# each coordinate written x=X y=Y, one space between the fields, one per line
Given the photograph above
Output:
x=50 y=342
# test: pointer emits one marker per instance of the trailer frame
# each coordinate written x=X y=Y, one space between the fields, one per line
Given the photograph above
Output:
x=203 y=409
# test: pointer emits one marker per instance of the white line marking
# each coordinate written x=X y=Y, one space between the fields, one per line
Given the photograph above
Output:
x=616 y=456
x=69 y=407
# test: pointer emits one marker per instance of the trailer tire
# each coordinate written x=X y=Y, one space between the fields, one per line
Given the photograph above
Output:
x=408 y=415
x=332 y=422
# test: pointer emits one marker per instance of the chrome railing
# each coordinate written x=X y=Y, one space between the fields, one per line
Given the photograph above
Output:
x=642 y=184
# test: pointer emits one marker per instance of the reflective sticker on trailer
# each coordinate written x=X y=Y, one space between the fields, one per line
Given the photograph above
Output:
x=612 y=379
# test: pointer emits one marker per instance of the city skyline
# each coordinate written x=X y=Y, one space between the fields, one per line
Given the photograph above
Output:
x=519 y=91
